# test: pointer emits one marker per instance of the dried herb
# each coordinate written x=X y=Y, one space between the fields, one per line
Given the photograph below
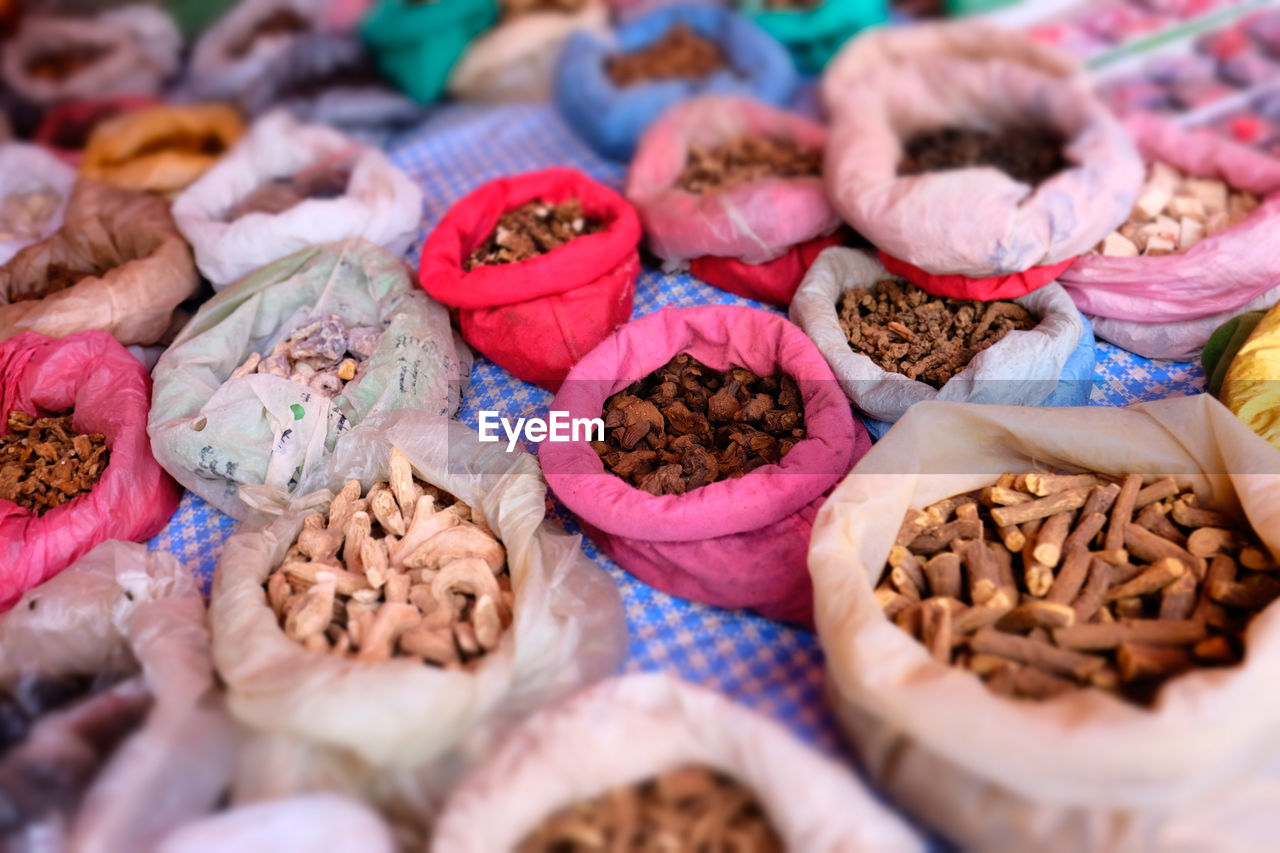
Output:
x=746 y=159
x=905 y=330
x=532 y=230
x=43 y=464
x=679 y=54
x=686 y=425
x=1030 y=155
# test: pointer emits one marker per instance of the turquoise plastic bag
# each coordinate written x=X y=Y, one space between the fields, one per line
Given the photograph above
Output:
x=814 y=35
x=417 y=43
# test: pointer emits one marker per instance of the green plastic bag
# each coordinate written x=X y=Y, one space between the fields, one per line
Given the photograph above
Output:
x=243 y=444
x=1223 y=345
x=417 y=43
x=814 y=35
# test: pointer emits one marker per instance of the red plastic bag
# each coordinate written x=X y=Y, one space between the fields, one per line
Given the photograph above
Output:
x=1009 y=286
x=536 y=318
x=110 y=393
x=65 y=129
x=775 y=282
x=735 y=543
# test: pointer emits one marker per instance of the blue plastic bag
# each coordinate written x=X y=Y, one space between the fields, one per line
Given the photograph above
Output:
x=611 y=118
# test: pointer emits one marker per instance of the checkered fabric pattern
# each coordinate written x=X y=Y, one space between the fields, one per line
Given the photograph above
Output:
x=774 y=668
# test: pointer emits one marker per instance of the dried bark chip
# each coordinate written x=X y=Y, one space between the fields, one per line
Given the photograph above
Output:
x=679 y=54
x=43 y=464
x=1030 y=155
x=530 y=230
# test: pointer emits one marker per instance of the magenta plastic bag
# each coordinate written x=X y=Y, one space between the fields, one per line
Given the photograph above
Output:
x=754 y=222
x=1217 y=276
x=735 y=543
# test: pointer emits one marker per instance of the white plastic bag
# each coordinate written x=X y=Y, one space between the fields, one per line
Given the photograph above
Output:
x=399 y=716
x=514 y=61
x=121 y=604
x=381 y=203
x=315 y=823
x=629 y=729
x=1022 y=369
x=1086 y=770
x=34 y=187
x=234 y=53
x=890 y=84
x=134 y=50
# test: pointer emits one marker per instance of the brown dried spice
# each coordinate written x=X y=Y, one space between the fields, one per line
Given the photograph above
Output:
x=690 y=808
x=1030 y=155
x=746 y=159
x=686 y=425
x=58 y=277
x=1072 y=581
x=679 y=54
x=321 y=181
x=61 y=63
x=905 y=330
x=43 y=464
x=531 y=230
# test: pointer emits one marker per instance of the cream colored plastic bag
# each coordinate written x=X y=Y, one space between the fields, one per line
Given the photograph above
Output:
x=34 y=187
x=317 y=823
x=400 y=717
x=381 y=203
x=1022 y=369
x=629 y=729
x=1087 y=770
x=119 y=604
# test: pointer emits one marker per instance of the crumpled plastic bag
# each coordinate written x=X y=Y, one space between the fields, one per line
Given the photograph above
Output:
x=736 y=543
x=537 y=317
x=629 y=729
x=611 y=119
x=239 y=48
x=1087 y=770
x=160 y=149
x=65 y=128
x=131 y=50
x=892 y=83
x=755 y=222
x=1167 y=306
x=34 y=188
x=121 y=609
x=417 y=44
x=1023 y=369
x=139 y=270
x=110 y=393
x=815 y=32
x=515 y=61
x=1251 y=388
x=399 y=729
x=217 y=435
x=381 y=203
x=309 y=823
x=774 y=282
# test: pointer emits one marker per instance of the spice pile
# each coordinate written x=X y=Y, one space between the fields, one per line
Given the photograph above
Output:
x=905 y=330
x=679 y=54
x=323 y=181
x=23 y=214
x=407 y=570
x=281 y=22
x=691 y=808
x=686 y=425
x=746 y=159
x=512 y=9
x=43 y=464
x=531 y=230
x=323 y=354
x=1031 y=156
x=1044 y=583
x=1175 y=212
x=59 y=64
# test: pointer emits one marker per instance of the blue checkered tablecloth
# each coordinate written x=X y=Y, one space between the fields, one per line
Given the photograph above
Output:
x=771 y=667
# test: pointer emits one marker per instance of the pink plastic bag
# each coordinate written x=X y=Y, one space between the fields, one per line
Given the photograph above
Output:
x=754 y=222
x=1215 y=276
x=735 y=543
x=111 y=393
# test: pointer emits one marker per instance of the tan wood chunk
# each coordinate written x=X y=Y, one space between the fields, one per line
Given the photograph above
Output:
x=1036 y=614
x=1041 y=508
x=1100 y=636
x=1042 y=484
x=1043 y=655
x=1165 y=487
x=943 y=574
x=1152 y=579
x=1137 y=662
x=1122 y=512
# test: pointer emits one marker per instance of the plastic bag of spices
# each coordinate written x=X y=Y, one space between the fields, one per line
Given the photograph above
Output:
x=247 y=395
x=561 y=626
x=515 y=60
x=738 y=542
x=132 y=50
x=1167 y=305
x=631 y=729
x=813 y=32
x=160 y=149
x=1085 y=769
x=722 y=177
x=1023 y=367
x=956 y=124
x=117 y=264
x=237 y=50
x=120 y=494
x=610 y=90
x=34 y=187
x=417 y=44
x=115 y=732
x=65 y=128
x=287 y=186
x=537 y=307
